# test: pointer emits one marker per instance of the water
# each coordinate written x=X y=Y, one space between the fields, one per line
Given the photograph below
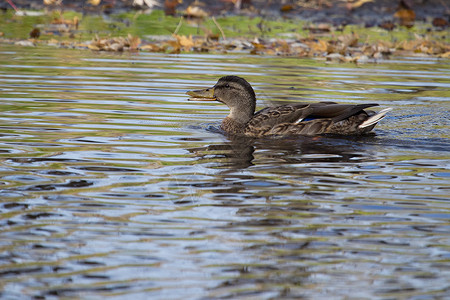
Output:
x=114 y=185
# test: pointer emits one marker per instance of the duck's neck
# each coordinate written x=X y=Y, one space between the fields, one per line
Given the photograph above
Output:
x=236 y=121
x=244 y=110
x=241 y=111
x=241 y=114
x=231 y=126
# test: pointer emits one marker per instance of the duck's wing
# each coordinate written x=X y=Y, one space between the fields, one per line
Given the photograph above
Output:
x=348 y=118
x=311 y=119
x=312 y=127
x=272 y=116
x=266 y=119
x=337 y=112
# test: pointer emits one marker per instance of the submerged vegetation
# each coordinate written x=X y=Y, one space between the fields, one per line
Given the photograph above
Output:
x=198 y=32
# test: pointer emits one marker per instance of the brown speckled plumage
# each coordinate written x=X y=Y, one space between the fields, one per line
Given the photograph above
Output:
x=285 y=120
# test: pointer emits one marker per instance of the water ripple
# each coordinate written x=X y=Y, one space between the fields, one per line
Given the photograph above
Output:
x=112 y=184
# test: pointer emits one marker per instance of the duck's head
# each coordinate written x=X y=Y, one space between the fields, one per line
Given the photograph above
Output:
x=235 y=92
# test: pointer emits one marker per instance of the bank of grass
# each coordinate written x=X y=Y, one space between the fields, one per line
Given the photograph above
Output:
x=156 y=23
x=145 y=26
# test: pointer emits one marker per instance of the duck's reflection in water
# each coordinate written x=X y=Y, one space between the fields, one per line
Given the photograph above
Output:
x=280 y=191
x=272 y=168
x=242 y=152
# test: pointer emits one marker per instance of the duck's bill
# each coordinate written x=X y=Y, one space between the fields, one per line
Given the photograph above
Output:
x=202 y=95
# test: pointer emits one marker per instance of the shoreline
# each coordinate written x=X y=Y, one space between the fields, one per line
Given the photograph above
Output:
x=274 y=36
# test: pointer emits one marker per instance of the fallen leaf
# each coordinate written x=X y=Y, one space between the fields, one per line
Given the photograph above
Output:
x=283 y=47
x=52 y=2
x=257 y=45
x=349 y=40
x=286 y=8
x=152 y=48
x=317 y=46
x=185 y=42
x=170 y=7
x=319 y=28
x=93 y=47
x=53 y=42
x=355 y=4
x=405 y=14
x=118 y=47
x=445 y=55
x=35 y=33
x=440 y=22
x=195 y=12
x=94 y=2
x=213 y=36
x=387 y=25
x=407 y=45
x=134 y=42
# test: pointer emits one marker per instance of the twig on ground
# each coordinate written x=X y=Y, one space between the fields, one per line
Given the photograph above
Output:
x=220 y=28
x=178 y=26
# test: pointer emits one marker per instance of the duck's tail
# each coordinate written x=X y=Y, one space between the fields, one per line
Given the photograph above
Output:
x=372 y=120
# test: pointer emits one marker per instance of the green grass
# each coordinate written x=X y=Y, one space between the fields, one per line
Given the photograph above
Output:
x=156 y=23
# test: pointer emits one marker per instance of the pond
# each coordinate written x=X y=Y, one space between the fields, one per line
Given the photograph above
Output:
x=114 y=185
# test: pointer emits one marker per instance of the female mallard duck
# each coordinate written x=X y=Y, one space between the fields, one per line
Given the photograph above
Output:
x=284 y=120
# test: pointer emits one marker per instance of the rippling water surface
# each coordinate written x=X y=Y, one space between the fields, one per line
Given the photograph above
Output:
x=113 y=185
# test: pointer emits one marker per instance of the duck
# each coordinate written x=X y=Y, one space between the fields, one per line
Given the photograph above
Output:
x=305 y=119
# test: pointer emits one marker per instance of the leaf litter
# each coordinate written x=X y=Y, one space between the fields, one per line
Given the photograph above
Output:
x=321 y=41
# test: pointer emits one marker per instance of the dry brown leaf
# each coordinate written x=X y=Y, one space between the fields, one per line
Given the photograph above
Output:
x=319 y=28
x=349 y=40
x=270 y=52
x=174 y=46
x=185 y=42
x=440 y=22
x=134 y=42
x=317 y=46
x=115 y=47
x=35 y=33
x=213 y=36
x=68 y=23
x=93 y=47
x=408 y=45
x=150 y=48
x=286 y=8
x=405 y=14
x=196 y=12
x=258 y=46
x=94 y=2
x=283 y=47
x=406 y=17
x=52 y=2
x=356 y=3
x=387 y=25
x=170 y=7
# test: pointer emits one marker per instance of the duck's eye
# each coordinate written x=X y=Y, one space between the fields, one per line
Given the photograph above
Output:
x=227 y=86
